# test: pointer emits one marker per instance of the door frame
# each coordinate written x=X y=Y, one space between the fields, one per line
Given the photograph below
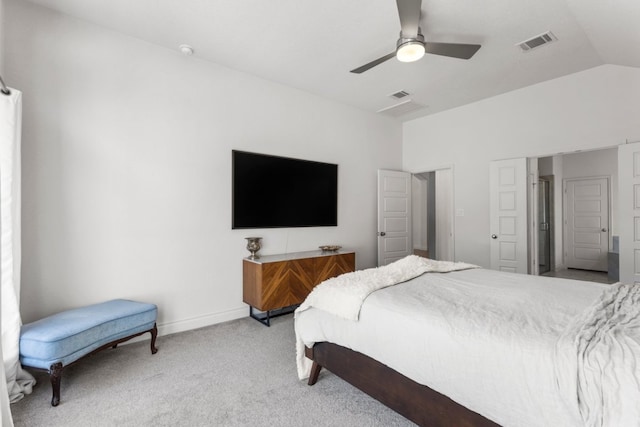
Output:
x=565 y=229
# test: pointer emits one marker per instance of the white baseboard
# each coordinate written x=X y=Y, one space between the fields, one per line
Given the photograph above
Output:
x=195 y=323
x=202 y=321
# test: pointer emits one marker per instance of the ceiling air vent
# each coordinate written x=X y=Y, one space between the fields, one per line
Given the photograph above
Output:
x=537 y=41
x=399 y=95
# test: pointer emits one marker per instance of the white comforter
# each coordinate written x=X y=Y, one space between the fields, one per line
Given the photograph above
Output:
x=599 y=359
x=498 y=343
x=343 y=295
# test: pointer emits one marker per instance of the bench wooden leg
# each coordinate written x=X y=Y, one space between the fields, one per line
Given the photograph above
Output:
x=154 y=334
x=55 y=375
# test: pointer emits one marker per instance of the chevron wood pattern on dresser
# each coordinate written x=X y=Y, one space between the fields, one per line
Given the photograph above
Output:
x=285 y=283
x=332 y=266
x=273 y=285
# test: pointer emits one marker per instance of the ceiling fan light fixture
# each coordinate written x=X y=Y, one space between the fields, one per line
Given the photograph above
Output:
x=410 y=49
x=410 y=52
x=411 y=45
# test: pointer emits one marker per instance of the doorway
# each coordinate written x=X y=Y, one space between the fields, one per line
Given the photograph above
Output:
x=415 y=215
x=570 y=168
x=433 y=227
x=547 y=246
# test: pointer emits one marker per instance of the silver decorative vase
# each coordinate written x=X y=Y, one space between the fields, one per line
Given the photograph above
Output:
x=253 y=246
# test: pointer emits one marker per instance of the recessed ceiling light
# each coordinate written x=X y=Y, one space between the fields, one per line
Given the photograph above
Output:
x=186 y=49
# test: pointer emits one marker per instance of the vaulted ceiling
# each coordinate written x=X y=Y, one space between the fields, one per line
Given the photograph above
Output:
x=312 y=45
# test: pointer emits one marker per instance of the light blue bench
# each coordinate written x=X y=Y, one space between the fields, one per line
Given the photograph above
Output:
x=59 y=340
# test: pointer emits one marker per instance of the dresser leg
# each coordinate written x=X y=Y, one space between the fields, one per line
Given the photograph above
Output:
x=266 y=316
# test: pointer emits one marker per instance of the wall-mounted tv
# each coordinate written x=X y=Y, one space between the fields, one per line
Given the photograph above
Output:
x=271 y=191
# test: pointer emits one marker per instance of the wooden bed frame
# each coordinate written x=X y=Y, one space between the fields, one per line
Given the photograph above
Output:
x=418 y=403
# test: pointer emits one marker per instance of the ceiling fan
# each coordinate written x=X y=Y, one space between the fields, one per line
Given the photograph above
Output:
x=411 y=45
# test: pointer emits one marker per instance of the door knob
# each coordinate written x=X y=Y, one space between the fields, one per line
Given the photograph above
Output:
x=382 y=233
x=493 y=236
x=604 y=229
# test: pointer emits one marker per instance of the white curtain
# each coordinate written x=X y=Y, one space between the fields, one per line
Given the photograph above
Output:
x=6 y=420
x=18 y=382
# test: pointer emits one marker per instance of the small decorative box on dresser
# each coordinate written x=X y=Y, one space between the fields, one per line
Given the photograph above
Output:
x=276 y=284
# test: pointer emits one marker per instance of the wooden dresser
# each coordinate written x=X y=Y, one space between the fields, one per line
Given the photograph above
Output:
x=276 y=284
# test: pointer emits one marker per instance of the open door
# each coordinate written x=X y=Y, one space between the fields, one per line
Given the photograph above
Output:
x=508 y=215
x=394 y=216
x=629 y=211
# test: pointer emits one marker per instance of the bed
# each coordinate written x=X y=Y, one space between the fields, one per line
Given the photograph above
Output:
x=451 y=344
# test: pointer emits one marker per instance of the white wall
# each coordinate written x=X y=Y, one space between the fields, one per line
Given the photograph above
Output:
x=592 y=109
x=445 y=247
x=545 y=166
x=127 y=169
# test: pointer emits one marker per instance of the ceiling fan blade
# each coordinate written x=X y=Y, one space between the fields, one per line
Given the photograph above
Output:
x=373 y=63
x=409 y=11
x=455 y=50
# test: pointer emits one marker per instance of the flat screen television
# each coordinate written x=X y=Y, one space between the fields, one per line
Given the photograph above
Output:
x=271 y=191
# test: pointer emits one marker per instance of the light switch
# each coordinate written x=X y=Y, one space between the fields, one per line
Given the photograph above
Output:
x=459 y=212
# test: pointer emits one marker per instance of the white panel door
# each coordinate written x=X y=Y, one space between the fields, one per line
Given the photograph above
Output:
x=587 y=223
x=508 y=215
x=629 y=212
x=394 y=216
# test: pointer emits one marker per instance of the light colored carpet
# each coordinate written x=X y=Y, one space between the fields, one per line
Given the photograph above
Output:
x=239 y=373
